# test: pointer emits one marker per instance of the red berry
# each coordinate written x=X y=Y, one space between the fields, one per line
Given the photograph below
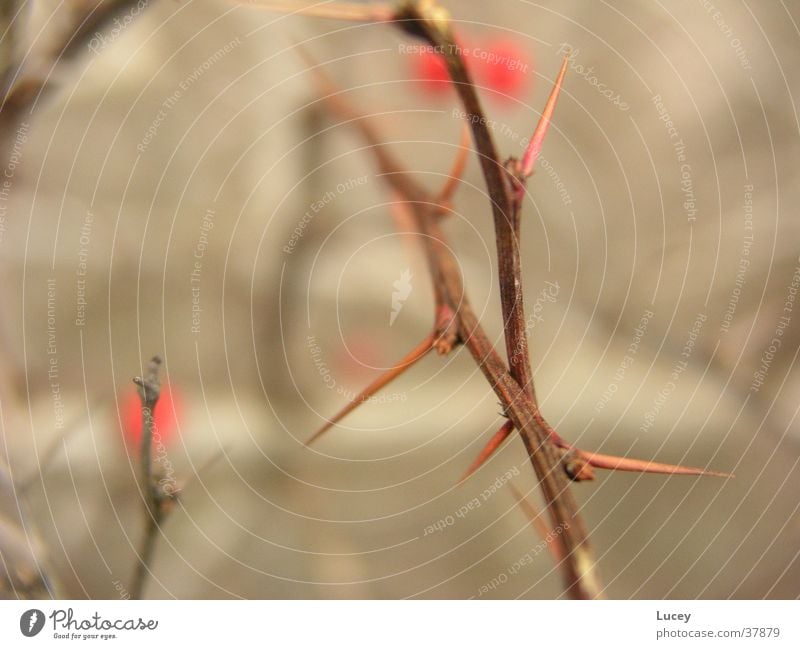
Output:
x=500 y=65
x=503 y=66
x=430 y=69
x=165 y=416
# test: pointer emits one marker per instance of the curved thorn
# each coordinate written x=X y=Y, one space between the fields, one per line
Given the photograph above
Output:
x=535 y=145
x=387 y=377
x=457 y=170
x=340 y=10
x=614 y=463
x=494 y=443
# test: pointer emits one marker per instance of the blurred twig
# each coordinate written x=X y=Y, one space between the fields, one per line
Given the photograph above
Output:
x=58 y=443
x=514 y=388
x=22 y=84
x=23 y=570
x=158 y=500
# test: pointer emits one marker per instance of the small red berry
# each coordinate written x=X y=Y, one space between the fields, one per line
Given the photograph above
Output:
x=165 y=416
x=430 y=69
x=503 y=66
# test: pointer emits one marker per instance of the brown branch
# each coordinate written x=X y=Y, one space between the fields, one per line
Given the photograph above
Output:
x=158 y=499
x=456 y=311
x=492 y=445
x=553 y=459
x=430 y=22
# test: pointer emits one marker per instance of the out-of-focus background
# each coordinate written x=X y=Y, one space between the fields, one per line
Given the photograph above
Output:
x=174 y=185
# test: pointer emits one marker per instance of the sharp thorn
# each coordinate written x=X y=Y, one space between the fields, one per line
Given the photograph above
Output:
x=493 y=444
x=387 y=377
x=614 y=463
x=535 y=145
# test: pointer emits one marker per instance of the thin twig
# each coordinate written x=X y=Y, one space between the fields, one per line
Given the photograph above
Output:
x=22 y=87
x=49 y=455
x=158 y=500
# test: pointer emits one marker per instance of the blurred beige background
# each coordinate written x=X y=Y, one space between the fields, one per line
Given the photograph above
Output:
x=194 y=134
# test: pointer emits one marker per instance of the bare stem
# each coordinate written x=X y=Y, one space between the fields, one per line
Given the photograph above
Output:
x=158 y=501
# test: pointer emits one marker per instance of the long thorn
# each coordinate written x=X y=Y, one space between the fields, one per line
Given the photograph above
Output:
x=387 y=377
x=494 y=443
x=535 y=145
x=614 y=463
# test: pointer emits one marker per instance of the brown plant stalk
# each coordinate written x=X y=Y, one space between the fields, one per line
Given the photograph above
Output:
x=554 y=460
x=456 y=321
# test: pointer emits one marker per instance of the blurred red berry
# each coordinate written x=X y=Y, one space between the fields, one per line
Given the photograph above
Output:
x=429 y=68
x=500 y=65
x=503 y=66
x=165 y=416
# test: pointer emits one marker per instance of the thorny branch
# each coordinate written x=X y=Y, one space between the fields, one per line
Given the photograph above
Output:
x=554 y=460
x=456 y=320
